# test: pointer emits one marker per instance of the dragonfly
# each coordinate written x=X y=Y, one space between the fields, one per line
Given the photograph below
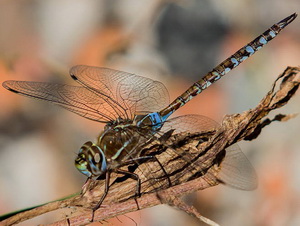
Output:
x=135 y=111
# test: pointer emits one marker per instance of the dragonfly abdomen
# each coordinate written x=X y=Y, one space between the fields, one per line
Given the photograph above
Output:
x=226 y=66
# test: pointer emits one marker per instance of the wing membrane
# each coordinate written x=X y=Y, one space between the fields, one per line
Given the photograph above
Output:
x=235 y=169
x=190 y=124
x=76 y=99
x=126 y=93
x=104 y=96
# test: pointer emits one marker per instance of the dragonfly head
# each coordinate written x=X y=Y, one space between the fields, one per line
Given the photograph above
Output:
x=91 y=160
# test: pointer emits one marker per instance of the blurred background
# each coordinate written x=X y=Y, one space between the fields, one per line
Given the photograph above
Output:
x=175 y=42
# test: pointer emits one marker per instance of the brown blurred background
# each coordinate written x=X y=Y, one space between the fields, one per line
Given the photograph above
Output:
x=175 y=42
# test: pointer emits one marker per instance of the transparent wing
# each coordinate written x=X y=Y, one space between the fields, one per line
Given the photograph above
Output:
x=190 y=124
x=236 y=170
x=76 y=99
x=106 y=94
x=126 y=93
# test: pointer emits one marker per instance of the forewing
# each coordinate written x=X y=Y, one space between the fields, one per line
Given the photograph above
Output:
x=126 y=93
x=76 y=99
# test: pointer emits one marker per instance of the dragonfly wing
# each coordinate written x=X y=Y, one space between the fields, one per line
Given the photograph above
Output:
x=190 y=124
x=236 y=170
x=76 y=99
x=127 y=93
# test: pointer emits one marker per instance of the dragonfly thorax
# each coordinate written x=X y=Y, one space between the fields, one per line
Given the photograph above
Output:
x=116 y=145
x=119 y=142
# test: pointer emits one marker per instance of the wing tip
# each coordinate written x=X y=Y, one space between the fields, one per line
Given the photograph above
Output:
x=77 y=69
x=4 y=84
x=13 y=90
x=73 y=77
x=7 y=86
x=247 y=187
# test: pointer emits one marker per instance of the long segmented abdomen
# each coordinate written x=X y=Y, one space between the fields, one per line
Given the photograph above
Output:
x=226 y=66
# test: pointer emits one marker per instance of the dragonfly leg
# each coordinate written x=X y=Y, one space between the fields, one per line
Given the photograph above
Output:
x=138 y=186
x=86 y=186
x=107 y=179
x=68 y=222
x=135 y=160
x=163 y=169
x=133 y=176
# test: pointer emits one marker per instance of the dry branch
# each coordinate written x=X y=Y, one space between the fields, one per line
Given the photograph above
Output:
x=120 y=200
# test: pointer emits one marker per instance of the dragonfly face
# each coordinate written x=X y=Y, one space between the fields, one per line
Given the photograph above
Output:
x=91 y=160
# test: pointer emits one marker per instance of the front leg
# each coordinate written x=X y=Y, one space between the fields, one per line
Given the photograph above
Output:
x=143 y=158
x=133 y=176
x=106 y=188
x=86 y=186
x=138 y=185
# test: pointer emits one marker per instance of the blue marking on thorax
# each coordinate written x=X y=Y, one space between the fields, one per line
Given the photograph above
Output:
x=164 y=118
x=156 y=120
x=120 y=150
